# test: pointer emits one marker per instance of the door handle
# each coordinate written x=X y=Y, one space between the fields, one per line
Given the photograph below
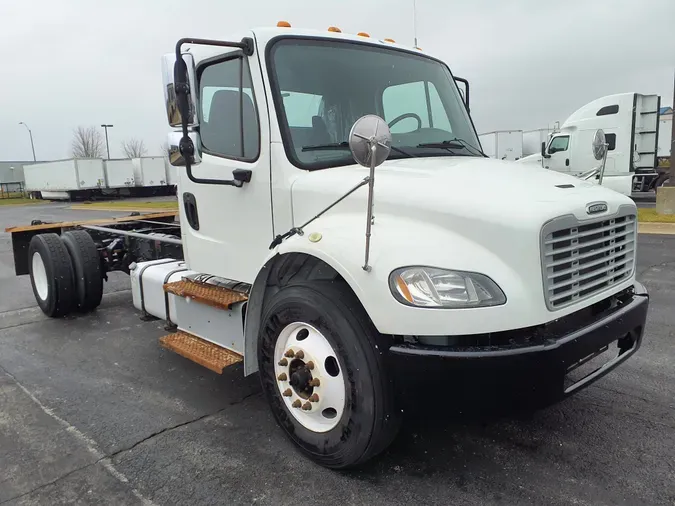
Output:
x=567 y=162
x=241 y=176
x=191 y=214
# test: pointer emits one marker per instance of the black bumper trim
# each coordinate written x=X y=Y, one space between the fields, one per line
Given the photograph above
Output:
x=624 y=326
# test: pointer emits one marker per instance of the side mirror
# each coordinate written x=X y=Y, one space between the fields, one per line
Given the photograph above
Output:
x=599 y=145
x=176 y=158
x=172 y=112
x=543 y=151
x=464 y=93
x=370 y=144
x=370 y=141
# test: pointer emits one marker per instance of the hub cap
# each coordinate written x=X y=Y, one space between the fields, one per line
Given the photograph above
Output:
x=40 y=276
x=309 y=377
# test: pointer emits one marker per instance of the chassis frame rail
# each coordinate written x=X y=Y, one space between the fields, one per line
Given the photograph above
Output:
x=116 y=246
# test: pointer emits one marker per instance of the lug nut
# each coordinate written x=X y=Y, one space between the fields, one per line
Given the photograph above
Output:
x=283 y=362
x=296 y=403
x=310 y=365
x=287 y=393
x=282 y=377
x=306 y=406
x=289 y=354
x=315 y=382
x=300 y=354
x=314 y=398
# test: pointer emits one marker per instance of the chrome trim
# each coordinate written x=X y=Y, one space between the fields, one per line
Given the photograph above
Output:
x=172 y=113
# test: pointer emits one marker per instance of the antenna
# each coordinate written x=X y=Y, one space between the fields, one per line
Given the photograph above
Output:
x=415 y=21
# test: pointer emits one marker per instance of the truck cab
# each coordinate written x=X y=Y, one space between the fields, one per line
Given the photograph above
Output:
x=630 y=124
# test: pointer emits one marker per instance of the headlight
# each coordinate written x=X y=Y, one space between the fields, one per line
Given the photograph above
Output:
x=431 y=287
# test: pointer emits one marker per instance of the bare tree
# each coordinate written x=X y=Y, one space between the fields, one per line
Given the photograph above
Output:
x=87 y=143
x=134 y=148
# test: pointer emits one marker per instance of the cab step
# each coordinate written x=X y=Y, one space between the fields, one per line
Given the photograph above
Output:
x=211 y=356
x=212 y=295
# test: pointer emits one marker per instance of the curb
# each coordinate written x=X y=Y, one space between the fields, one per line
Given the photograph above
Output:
x=656 y=228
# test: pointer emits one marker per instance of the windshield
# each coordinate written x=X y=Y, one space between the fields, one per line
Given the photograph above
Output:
x=322 y=87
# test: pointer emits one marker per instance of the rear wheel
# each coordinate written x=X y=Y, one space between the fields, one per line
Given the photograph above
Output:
x=51 y=275
x=86 y=267
x=323 y=374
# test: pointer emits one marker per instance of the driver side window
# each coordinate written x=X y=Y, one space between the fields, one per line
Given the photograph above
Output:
x=559 y=143
x=412 y=99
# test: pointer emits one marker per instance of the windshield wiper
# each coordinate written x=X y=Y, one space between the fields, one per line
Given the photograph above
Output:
x=455 y=143
x=345 y=145
x=327 y=147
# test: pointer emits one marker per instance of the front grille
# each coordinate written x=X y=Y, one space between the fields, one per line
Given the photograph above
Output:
x=583 y=258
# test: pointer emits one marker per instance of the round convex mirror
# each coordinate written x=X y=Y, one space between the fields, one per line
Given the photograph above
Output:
x=599 y=144
x=364 y=132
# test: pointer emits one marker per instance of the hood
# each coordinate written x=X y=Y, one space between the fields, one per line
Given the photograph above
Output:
x=484 y=189
x=533 y=158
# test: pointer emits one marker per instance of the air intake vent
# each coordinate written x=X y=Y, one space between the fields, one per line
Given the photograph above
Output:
x=583 y=258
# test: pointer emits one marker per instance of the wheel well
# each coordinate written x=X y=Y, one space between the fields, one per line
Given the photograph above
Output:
x=278 y=272
x=299 y=266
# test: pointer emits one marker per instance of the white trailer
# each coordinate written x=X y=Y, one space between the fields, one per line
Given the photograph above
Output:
x=119 y=173
x=171 y=173
x=532 y=284
x=149 y=171
x=503 y=144
x=665 y=135
x=532 y=140
x=65 y=179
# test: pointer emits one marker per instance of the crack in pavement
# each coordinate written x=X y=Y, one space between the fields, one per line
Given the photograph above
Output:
x=92 y=446
x=647 y=269
x=182 y=424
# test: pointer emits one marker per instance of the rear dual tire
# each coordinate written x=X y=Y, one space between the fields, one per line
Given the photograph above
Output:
x=65 y=273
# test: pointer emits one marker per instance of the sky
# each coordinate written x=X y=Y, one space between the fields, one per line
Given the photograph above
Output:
x=530 y=62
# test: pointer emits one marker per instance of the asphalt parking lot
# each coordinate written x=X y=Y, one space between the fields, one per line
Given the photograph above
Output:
x=93 y=411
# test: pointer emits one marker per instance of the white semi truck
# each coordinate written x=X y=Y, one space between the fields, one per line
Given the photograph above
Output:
x=328 y=278
x=630 y=122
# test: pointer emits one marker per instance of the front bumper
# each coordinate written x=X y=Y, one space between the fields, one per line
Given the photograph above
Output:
x=546 y=355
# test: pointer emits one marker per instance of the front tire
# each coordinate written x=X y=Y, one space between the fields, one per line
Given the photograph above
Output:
x=51 y=275
x=322 y=370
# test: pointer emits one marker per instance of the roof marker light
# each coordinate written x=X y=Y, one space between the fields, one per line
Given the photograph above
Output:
x=283 y=24
x=334 y=29
x=363 y=34
x=389 y=40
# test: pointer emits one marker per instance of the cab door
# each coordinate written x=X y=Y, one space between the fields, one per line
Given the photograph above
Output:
x=558 y=152
x=226 y=228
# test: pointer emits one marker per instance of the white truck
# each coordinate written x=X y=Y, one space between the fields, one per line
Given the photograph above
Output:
x=630 y=122
x=502 y=144
x=269 y=264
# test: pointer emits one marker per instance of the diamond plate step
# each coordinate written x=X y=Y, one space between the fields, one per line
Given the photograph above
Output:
x=212 y=295
x=202 y=352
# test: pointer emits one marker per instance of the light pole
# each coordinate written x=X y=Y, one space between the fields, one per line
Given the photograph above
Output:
x=107 y=146
x=32 y=146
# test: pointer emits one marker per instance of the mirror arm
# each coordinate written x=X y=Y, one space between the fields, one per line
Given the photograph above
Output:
x=466 y=83
x=299 y=230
